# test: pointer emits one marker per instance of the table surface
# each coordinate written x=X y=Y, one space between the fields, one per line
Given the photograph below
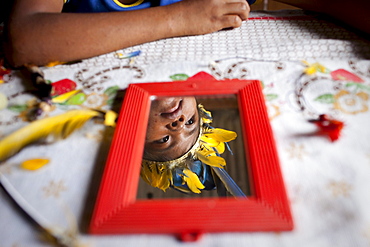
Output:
x=308 y=66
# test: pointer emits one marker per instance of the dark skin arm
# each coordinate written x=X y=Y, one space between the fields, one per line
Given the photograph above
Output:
x=38 y=33
x=353 y=13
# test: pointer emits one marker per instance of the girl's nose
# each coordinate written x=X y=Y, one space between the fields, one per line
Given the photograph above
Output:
x=178 y=123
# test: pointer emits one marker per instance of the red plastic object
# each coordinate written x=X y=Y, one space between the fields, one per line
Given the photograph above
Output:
x=62 y=86
x=202 y=76
x=118 y=211
x=328 y=126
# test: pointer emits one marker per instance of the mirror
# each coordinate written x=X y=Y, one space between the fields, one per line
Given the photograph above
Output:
x=168 y=111
x=266 y=208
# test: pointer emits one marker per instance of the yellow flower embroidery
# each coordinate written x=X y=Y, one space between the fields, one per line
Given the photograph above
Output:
x=351 y=103
x=314 y=68
x=273 y=111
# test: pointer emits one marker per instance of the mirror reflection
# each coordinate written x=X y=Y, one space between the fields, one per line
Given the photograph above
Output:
x=193 y=148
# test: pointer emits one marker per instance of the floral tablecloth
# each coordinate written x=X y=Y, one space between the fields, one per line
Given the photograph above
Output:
x=308 y=66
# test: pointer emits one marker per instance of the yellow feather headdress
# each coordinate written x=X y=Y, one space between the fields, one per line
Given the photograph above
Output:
x=180 y=173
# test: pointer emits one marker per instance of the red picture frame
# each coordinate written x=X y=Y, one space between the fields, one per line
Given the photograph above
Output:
x=118 y=211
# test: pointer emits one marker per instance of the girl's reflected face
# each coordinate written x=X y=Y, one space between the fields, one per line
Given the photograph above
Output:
x=173 y=128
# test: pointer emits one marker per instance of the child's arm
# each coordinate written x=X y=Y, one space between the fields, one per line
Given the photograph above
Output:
x=38 y=33
x=354 y=13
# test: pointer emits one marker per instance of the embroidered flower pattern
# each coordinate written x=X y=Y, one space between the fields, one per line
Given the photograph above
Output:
x=95 y=100
x=340 y=188
x=54 y=189
x=272 y=110
x=350 y=94
x=296 y=151
x=351 y=103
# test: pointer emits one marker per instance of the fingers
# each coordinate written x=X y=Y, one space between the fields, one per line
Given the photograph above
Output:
x=237 y=7
x=231 y=21
x=206 y=16
x=235 y=11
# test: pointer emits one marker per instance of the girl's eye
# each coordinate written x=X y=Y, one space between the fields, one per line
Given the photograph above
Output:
x=190 y=121
x=163 y=140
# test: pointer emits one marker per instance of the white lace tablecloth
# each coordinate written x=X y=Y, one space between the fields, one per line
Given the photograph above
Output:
x=308 y=66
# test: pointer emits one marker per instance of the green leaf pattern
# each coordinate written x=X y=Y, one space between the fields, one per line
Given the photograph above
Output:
x=326 y=98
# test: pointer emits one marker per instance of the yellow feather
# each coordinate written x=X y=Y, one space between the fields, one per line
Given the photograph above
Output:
x=206 y=152
x=156 y=176
x=64 y=97
x=34 y=164
x=164 y=181
x=110 y=118
x=221 y=135
x=57 y=127
x=182 y=189
x=210 y=159
x=211 y=143
x=220 y=148
x=208 y=115
x=192 y=180
x=144 y=173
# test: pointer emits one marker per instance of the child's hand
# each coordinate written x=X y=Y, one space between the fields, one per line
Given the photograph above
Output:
x=193 y=17
x=72 y=36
